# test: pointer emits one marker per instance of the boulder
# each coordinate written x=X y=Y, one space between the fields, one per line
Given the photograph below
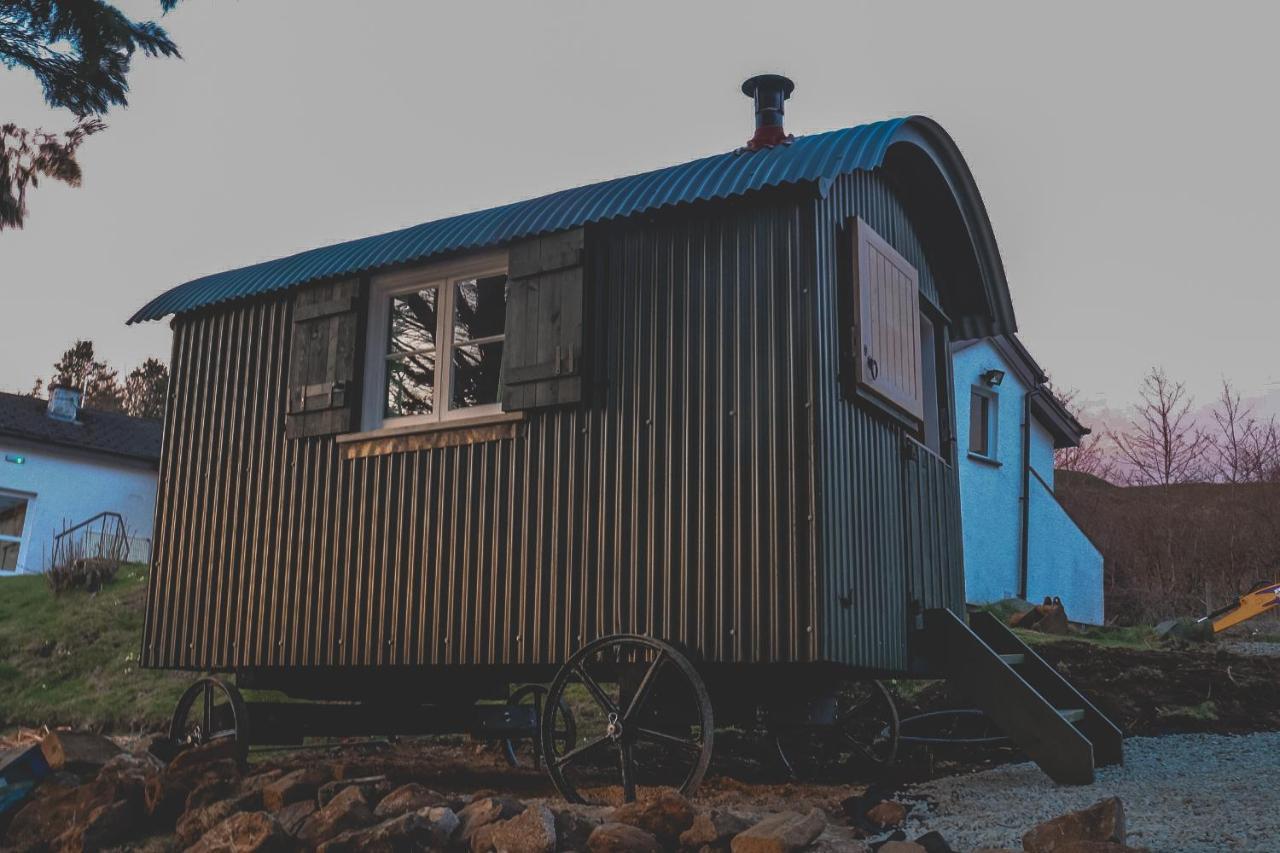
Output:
x=408 y=798
x=933 y=842
x=531 y=831
x=292 y=787
x=347 y=810
x=1102 y=821
x=575 y=823
x=663 y=816
x=294 y=815
x=622 y=838
x=195 y=822
x=373 y=787
x=713 y=829
x=484 y=811
x=245 y=832
x=887 y=814
x=78 y=752
x=166 y=792
x=426 y=829
x=784 y=832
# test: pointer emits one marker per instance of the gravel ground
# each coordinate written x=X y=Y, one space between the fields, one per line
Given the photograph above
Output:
x=1253 y=647
x=1180 y=793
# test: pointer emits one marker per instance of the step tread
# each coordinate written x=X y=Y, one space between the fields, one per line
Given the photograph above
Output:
x=1014 y=660
x=1071 y=715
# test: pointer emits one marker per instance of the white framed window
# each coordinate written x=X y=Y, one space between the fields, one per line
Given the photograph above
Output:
x=13 y=519
x=435 y=342
x=984 y=411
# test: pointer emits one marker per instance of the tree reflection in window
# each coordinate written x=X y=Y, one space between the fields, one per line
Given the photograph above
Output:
x=479 y=318
x=411 y=360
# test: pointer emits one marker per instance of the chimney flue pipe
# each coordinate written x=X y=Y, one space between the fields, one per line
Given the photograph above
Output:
x=769 y=92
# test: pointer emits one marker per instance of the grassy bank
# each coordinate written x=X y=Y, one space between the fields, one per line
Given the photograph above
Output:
x=73 y=659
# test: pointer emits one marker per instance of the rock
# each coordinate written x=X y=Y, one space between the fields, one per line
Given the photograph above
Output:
x=933 y=842
x=531 y=831
x=622 y=838
x=245 y=832
x=167 y=792
x=408 y=798
x=132 y=770
x=70 y=810
x=194 y=823
x=347 y=810
x=211 y=789
x=482 y=812
x=292 y=787
x=294 y=815
x=714 y=829
x=575 y=823
x=664 y=816
x=374 y=788
x=426 y=829
x=105 y=825
x=1102 y=821
x=780 y=833
x=900 y=847
x=78 y=752
x=887 y=814
x=210 y=753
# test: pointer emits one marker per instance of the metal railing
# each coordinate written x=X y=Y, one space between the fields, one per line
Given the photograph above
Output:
x=103 y=536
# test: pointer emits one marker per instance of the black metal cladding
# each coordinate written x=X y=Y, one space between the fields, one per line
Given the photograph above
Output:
x=678 y=501
x=890 y=532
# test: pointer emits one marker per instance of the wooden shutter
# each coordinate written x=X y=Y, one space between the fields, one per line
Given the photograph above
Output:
x=324 y=360
x=886 y=332
x=542 y=356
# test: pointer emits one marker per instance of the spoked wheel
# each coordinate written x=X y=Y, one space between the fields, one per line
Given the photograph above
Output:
x=858 y=740
x=212 y=711
x=518 y=751
x=643 y=721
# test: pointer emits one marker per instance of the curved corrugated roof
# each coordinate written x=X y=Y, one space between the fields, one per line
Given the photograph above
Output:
x=815 y=158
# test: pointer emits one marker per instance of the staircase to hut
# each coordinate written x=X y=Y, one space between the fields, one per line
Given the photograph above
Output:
x=1057 y=727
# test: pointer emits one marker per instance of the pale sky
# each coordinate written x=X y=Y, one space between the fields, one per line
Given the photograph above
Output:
x=1125 y=151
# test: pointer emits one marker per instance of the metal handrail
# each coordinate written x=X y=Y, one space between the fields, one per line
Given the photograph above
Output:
x=120 y=534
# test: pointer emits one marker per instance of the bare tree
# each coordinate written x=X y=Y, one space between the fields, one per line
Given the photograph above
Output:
x=1090 y=456
x=1245 y=450
x=1162 y=445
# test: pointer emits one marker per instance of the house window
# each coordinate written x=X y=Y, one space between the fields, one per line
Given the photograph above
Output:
x=435 y=346
x=13 y=517
x=982 y=422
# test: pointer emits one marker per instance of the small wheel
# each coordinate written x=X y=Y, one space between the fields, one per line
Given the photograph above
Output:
x=566 y=735
x=643 y=720
x=860 y=742
x=210 y=711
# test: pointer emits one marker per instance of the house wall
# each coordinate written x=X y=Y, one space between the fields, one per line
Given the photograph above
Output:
x=1061 y=561
x=65 y=487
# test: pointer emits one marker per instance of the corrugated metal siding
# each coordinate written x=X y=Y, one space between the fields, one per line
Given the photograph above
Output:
x=678 y=502
x=819 y=157
x=863 y=483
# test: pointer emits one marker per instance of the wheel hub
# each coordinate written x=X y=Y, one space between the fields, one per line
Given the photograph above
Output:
x=614 y=730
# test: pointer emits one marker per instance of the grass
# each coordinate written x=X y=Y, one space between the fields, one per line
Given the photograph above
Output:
x=1116 y=637
x=72 y=659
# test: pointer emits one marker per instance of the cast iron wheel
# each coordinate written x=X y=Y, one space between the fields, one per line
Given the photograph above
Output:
x=643 y=720
x=566 y=735
x=220 y=715
x=860 y=743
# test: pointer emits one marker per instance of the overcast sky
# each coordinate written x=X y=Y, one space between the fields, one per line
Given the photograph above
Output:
x=1125 y=151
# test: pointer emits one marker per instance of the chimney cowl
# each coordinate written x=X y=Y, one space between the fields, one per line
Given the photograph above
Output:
x=64 y=403
x=769 y=92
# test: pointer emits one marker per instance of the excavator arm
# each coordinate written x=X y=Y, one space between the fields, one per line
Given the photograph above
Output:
x=1258 y=600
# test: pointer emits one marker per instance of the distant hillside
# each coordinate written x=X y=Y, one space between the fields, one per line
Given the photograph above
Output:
x=1176 y=550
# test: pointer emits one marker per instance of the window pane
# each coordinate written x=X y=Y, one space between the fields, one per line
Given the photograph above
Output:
x=475 y=375
x=479 y=308
x=13 y=513
x=979 y=431
x=8 y=556
x=413 y=321
x=411 y=384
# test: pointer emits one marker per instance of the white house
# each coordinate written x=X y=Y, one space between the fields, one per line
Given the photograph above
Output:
x=1018 y=539
x=61 y=465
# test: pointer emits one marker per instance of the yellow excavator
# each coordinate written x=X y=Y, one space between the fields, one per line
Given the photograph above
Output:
x=1255 y=602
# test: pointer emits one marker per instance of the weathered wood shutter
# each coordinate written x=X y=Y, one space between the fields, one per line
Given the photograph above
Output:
x=542 y=356
x=886 y=332
x=324 y=360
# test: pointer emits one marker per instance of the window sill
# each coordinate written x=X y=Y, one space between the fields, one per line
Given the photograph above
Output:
x=985 y=460
x=429 y=436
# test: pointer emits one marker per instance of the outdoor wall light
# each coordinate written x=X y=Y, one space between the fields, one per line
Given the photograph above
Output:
x=992 y=377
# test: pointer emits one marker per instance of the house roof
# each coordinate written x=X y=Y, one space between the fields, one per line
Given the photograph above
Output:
x=94 y=431
x=815 y=159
